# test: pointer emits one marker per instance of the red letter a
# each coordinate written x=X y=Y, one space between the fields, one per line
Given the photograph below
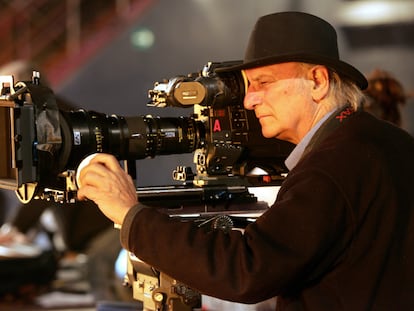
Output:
x=217 y=126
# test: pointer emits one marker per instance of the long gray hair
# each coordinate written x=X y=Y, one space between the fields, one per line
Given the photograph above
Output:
x=344 y=92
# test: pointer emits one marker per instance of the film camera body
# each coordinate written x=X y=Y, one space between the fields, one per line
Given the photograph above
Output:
x=41 y=146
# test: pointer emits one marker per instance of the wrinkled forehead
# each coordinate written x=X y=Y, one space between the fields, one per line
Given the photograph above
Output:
x=274 y=70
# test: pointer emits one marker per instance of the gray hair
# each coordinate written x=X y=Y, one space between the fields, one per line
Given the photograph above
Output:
x=344 y=92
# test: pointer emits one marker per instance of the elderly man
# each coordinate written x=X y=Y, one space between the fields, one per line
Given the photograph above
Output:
x=340 y=235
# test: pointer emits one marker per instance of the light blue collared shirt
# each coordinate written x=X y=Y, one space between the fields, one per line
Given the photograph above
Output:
x=297 y=152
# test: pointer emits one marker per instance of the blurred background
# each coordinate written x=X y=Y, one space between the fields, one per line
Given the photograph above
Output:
x=105 y=55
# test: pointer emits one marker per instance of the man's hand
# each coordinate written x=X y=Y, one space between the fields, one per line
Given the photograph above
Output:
x=109 y=186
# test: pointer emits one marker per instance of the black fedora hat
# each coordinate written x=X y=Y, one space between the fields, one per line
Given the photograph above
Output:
x=295 y=36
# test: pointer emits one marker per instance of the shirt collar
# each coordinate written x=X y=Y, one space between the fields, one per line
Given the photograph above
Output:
x=297 y=152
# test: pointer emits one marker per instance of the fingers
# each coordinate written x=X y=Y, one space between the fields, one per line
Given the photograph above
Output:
x=100 y=166
x=105 y=182
x=108 y=160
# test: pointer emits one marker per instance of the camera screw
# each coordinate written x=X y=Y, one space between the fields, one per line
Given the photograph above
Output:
x=158 y=297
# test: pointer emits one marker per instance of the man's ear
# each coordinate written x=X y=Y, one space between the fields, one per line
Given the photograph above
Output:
x=320 y=77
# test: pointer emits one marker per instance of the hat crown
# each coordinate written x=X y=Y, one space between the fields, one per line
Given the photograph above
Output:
x=296 y=37
x=291 y=34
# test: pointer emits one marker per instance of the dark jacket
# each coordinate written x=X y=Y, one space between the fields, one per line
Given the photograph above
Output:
x=340 y=235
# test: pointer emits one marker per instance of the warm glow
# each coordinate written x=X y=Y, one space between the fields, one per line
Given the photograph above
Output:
x=376 y=12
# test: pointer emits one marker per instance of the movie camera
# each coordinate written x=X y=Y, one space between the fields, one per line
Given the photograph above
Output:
x=41 y=147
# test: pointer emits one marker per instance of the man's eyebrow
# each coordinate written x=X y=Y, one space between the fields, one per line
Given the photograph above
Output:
x=262 y=76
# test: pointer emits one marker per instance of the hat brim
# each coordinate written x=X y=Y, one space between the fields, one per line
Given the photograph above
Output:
x=342 y=68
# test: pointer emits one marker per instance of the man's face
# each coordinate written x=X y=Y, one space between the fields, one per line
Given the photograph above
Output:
x=280 y=96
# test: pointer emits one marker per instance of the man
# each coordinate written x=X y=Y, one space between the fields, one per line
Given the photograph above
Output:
x=340 y=235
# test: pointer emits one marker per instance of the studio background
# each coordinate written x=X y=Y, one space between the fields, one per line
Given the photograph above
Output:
x=189 y=33
x=175 y=37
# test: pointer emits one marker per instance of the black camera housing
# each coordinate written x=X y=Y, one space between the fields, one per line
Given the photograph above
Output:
x=41 y=145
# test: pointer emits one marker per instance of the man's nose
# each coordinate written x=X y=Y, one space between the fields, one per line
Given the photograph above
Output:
x=252 y=99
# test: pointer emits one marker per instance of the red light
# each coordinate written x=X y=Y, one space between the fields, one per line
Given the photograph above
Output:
x=220 y=113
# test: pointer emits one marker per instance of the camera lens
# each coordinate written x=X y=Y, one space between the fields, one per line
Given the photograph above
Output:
x=87 y=132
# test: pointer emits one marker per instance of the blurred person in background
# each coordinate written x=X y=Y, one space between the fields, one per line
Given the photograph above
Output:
x=385 y=96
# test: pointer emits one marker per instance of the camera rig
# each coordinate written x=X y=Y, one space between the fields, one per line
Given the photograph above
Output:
x=41 y=146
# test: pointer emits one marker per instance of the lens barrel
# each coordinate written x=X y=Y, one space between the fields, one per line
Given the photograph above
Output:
x=127 y=138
